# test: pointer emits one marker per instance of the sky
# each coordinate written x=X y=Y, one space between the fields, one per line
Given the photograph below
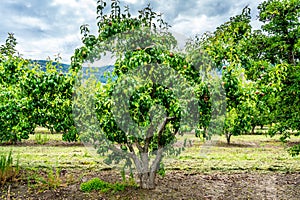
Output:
x=50 y=27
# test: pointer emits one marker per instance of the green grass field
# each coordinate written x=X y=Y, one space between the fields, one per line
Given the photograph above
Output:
x=249 y=167
x=247 y=152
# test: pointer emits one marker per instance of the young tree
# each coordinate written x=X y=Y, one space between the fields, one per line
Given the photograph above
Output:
x=281 y=23
x=14 y=122
x=32 y=97
x=151 y=97
x=227 y=48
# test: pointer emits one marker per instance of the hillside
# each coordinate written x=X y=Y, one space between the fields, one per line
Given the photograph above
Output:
x=97 y=71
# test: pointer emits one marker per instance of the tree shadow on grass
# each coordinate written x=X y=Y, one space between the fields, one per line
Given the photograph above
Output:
x=51 y=143
x=233 y=145
x=290 y=144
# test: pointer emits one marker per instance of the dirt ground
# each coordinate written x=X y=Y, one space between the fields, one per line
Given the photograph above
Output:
x=175 y=185
x=38 y=184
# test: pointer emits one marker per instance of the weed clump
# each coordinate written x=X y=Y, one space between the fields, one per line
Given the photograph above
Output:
x=97 y=184
x=41 y=138
x=7 y=170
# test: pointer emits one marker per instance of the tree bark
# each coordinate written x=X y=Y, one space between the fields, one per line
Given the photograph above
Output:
x=228 y=136
x=252 y=130
x=147 y=173
x=205 y=133
x=147 y=180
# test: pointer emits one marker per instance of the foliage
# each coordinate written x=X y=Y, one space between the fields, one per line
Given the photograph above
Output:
x=226 y=44
x=295 y=150
x=210 y=93
x=32 y=97
x=226 y=48
x=270 y=59
x=98 y=184
x=15 y=115
x=281 y=23
x=51 y=95
x=241 y=102
x=8 y=49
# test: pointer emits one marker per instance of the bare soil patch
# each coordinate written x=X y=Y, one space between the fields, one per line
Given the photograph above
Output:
x=175 y=185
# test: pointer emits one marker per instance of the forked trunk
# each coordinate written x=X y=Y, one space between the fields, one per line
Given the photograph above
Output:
x=147 y=171
x=147 y=174
x=228 y=136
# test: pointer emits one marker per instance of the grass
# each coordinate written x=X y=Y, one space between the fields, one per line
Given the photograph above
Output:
x=45 y=134
x=7 y=169
x=57 y=166
x=51 y=156
x=41 y=138
x=52 y=167
x=41 y=130
x=247 y=152
x=52 y=179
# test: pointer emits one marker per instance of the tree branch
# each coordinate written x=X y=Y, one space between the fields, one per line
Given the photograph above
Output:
x=115 y=149
x=148 y=138
x=140 y=148
x=155 y=163
x=131 y=149
x=162 y=127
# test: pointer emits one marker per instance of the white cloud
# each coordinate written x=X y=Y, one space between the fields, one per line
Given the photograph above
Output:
x=50 y=47
x=46 y=28
x=195 y=25
x=132 y=1
x=28 y=21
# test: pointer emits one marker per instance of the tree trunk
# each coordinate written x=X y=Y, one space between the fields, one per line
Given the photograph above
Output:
x=252 y=130
x=205 y=133
x=147 y=180
x=147 y=174
x=228 y=136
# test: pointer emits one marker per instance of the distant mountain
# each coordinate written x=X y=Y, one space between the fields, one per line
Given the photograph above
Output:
x=43 y=63
x=98 y=72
